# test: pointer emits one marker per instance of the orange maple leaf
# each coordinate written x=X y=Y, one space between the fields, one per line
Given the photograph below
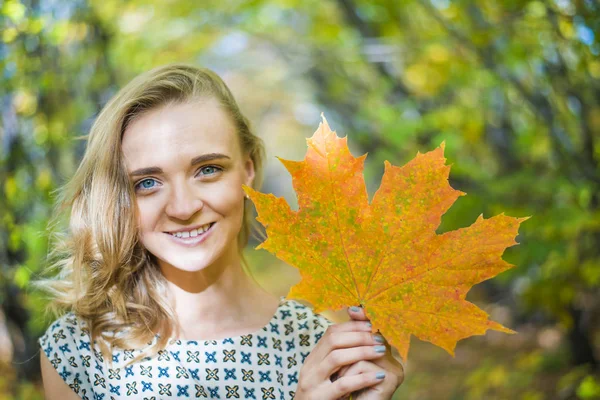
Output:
x=385 y=256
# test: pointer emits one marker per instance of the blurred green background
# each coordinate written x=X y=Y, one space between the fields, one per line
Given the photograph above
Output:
x=512 y=87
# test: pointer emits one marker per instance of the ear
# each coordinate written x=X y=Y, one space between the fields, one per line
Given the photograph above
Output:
x=249 y=168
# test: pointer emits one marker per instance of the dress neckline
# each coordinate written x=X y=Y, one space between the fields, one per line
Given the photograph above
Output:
x=181 y=342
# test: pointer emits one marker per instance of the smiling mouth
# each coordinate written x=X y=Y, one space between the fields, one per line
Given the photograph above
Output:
x=193 y=233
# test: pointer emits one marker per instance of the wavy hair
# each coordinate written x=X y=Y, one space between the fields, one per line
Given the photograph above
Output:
x=101 y=271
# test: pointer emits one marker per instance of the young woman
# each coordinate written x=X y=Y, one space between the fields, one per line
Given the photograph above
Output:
x=151 y=271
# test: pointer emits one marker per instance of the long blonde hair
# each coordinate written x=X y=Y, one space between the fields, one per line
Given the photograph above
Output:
x=104 y=274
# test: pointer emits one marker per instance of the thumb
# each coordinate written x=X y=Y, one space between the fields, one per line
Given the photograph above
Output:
x=357 y=313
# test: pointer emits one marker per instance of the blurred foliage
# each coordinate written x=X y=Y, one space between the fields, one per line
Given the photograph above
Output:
x=512 y=87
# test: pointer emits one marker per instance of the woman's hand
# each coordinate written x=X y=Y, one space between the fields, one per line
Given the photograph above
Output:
x=394 y=372
x=342 y=344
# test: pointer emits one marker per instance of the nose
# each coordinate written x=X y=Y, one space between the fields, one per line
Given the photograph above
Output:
x=183 y=203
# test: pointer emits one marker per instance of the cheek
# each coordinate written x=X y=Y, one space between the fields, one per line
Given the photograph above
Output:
x=148 y=212
x=226 y=200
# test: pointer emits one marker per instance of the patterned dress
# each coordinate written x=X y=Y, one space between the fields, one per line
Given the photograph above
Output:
x=261 y=365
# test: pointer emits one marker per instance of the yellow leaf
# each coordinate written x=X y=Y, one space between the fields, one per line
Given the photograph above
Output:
x=385 y=256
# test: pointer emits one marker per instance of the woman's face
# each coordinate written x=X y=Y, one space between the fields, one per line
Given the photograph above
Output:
x=187 y=168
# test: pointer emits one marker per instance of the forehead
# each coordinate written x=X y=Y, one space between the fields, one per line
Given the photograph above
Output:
x=179 y=132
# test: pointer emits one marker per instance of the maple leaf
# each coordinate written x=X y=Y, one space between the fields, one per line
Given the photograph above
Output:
x=385 y=256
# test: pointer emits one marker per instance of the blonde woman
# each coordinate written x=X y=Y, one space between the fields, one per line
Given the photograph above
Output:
x=150 y=274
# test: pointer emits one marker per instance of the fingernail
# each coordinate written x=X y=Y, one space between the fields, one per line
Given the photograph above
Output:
x=380 y=375
x=380 y=349
x=378 y=338
x=354 y=309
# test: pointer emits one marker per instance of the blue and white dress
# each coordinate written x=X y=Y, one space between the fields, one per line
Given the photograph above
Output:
x=261 y=365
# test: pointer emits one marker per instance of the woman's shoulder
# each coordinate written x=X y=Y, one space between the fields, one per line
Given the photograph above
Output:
x=65 y=328
x=67 y=335
x=67 y=346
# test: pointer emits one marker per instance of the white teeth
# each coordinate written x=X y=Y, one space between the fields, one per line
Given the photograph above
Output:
x=192 y=233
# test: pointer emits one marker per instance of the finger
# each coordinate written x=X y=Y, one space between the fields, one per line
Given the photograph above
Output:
x=385 y=388
x=339 y=373
x=361 y=367
x=393 y=368
x=337 y=358
x=349 y=384
x=358 y=368
x=357 y=313
x=349 y=326
x=392 y=364
x=388 y=362
x=354 y=340
x=343 y=340
x=347 y=340
x=330 y=338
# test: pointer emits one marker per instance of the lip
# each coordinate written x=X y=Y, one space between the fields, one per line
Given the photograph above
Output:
x=192 y=241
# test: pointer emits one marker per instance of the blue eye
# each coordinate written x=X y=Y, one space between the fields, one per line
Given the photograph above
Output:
x=145 y=184
x=214 y=167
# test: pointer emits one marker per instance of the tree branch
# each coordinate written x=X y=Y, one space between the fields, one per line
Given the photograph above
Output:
x=541 y=106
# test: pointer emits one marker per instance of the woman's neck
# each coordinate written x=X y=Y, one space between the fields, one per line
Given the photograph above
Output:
x=211 y=304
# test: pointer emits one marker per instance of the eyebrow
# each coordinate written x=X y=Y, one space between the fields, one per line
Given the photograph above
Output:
x=195 y=160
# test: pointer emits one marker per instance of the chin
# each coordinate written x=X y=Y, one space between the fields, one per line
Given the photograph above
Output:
x=190 y=264
x=187 y=266
x=190 y=260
